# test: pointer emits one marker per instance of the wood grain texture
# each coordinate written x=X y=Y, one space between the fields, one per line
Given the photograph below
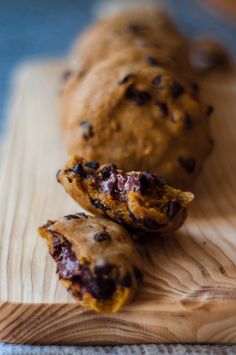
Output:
x=189 y=293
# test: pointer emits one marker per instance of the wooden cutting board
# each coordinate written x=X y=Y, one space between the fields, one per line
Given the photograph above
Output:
x=189 y=292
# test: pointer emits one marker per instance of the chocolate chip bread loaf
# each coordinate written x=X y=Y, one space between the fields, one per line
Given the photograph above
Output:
x=130 y=99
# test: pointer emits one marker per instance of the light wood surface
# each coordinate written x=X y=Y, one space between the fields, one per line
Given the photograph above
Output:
x=189 y=293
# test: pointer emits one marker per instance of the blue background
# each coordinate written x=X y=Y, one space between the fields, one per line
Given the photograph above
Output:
x=34 y=28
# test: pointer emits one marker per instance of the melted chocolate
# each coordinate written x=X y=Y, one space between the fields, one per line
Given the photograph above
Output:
x=102 y=236
x=195 y=90
x=209 y=110
x=138 y=274
x=139 y=97
x=157 y=80
x=69 y=268
x=137 y=28
x=92 y=165
x=187 y=121
x=71 y=216
x=163 y=108
x=177 y=89
x=126 y=281
x=103 y=269
x=172 y=208
x=153 y=61
x=188 y=164
x=98 y=204
x=67 y=264
x=78 y=170
x=116 y=183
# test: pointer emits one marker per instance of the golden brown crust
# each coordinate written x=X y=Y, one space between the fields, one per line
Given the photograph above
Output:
x=137 y=200
x=138 y=116
x=96 y=260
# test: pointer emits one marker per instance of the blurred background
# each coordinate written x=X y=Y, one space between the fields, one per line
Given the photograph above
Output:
x=31 y=29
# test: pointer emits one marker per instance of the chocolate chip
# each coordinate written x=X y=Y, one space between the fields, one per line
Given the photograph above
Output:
x=92 y=165
x=101 y=289
x=102 y=236
x=138 y=274
x=133 y=183
x=140 y=97
x=103 y=269
x=176 y=89
x=149 y=181
x=150 y=223
x=163 y=107
x=157 y=80
x=153 y=61
x=57 y=244
x=187 y=121
x=172 y=208
x=69 y=179
x=211 y=141
x=107 y=171
x=137 y=28
x=111 y=181
x=65 y=75
x=57 y=175
x=99 y=205
x=209 y=110
x=71 y=216
x=126 y=78
x=87 y=129
x=97 y=286
x=188 y=164
x=69 y=268
x=67 y=263
x=126 y=281
x=142 y=182
x=195 y=90
x=116 y=183
x=78 y=170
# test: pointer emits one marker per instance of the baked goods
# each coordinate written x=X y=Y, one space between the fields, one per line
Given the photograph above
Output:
x=96 y=260
x=138 y=200
x=130 y=98
x=139 y=116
